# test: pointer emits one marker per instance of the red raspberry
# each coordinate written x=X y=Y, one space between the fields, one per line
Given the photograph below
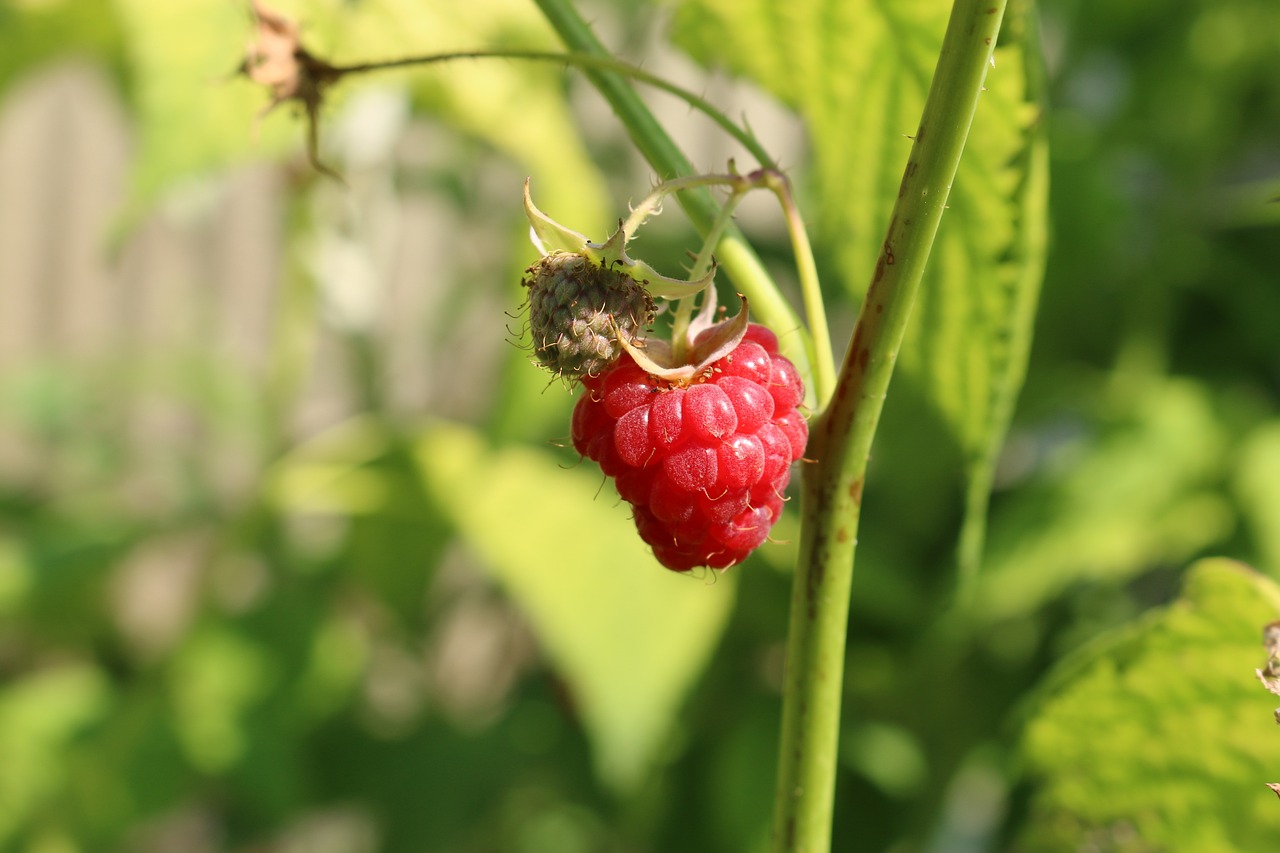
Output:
x=703 y=465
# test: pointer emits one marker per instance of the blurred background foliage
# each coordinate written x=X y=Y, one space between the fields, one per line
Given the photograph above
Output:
x=292 y=556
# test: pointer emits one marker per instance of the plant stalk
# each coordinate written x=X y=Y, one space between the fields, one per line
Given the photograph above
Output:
x=841 y=438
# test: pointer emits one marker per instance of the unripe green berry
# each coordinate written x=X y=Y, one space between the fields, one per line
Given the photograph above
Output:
x=577 y=311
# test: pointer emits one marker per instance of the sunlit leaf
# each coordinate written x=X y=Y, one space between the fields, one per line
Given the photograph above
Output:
x=858 y=73
x=1159 y=737
x=628 y=635
x=40 y=714
x=977 y=310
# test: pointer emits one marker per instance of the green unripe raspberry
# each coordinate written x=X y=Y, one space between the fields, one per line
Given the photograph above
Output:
x=577 y=310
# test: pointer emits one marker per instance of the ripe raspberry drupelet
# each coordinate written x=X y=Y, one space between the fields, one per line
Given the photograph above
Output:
x=704 y=464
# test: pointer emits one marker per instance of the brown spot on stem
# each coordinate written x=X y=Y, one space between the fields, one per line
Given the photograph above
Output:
x=907 y=174
x=842 y=535
x=816 y=573
x=864 y=358
x=816 y=577
x=855 y=491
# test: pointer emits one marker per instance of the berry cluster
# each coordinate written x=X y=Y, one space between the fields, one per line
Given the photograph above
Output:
x=703 y=464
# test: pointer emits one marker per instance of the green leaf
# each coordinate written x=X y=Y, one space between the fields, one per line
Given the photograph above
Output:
x=977 y=309
x=40 y=715
x=858 y=74
x=628 y=635
x=1159 y=737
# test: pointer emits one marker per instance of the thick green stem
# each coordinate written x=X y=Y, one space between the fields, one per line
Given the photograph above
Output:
x=841 y=437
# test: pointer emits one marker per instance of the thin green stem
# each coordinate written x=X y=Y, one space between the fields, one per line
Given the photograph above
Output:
x=706 y=255
x=824 y=368
x=841 y=437
x=701 y=264
x=585 y=61
x=824 y=373
x=733 y=253
x=652 y=203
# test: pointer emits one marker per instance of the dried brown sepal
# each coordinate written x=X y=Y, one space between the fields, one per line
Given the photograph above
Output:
x=1274 y=786
x=277 y=60
x=1271 y=638
x=1270 y=679
x=1269 y=675
x=712 y=343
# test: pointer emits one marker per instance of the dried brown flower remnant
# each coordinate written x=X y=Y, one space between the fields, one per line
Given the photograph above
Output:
x=1269 y=675
x=278 y=61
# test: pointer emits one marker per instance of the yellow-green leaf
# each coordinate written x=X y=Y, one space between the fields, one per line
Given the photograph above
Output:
x=1159 y=737
x=41 y=714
